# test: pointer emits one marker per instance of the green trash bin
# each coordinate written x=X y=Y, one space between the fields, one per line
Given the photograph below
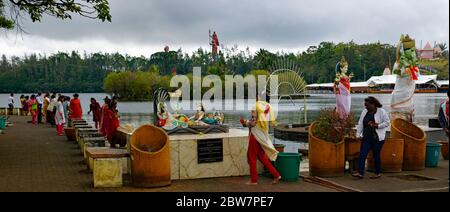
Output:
x=433 y=154
x=2 y=122
x=288 y=165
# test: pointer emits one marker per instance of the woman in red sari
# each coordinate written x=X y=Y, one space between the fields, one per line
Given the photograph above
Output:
x=105 y=117
x=113 y=124
x=76 y=112
x=96 y=110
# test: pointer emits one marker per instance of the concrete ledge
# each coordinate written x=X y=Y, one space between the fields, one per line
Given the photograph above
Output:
x=107 y=172
x=93 y=153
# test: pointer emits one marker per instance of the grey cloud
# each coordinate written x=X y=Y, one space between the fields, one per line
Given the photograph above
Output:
x=282 y=23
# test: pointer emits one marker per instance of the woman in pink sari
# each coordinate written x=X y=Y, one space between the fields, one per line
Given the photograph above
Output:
x=342 y=89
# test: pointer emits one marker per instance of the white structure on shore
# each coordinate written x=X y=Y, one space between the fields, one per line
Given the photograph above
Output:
x=385 y=83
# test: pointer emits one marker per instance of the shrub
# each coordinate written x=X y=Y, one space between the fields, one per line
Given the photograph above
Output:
x=330 y=127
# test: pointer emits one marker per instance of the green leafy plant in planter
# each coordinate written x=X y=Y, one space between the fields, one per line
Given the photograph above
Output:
x=332 y=128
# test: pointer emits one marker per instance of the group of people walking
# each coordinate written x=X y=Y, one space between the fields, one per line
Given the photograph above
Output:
x=57 y=110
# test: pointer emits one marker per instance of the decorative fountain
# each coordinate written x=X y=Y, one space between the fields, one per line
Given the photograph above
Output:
x=291 y=85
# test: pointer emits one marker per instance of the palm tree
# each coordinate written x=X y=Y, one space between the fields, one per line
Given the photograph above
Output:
x=443 y=46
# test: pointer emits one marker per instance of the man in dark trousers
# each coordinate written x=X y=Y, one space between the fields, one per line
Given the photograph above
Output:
x=40 y=101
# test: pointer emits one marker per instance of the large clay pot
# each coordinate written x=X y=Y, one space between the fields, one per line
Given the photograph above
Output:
x=326 y=159
x=414 y=144
x=150 y=157
x=70 y=133
x=391 y=156
x=444 y=149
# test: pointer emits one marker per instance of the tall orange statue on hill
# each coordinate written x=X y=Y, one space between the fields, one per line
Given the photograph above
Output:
x=214 y=43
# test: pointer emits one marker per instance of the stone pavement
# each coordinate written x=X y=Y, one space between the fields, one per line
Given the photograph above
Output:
x=430 y=179
x=33 y=158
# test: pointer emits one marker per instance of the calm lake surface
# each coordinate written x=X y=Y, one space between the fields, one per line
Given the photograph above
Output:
x=139 y=113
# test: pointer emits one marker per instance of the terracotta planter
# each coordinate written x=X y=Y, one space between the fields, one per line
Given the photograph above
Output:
x=414 y=144
x=326 y=159
x=352 y=148
x=391 y=156
x=70 y=133
x=150 y=157
x=444 y=149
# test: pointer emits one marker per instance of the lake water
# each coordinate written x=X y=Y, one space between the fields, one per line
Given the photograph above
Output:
x=139 y=113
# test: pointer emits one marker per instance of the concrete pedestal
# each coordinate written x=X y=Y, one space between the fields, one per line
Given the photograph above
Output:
x=184 y=156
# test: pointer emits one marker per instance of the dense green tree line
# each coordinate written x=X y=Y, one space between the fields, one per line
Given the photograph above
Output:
x=72 y=72
x=140 y=85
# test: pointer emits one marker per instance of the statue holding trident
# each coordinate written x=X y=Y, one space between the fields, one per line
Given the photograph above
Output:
x=407 y=72
x=214 y=42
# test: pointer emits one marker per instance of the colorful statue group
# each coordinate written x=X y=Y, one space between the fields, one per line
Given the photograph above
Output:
x=407 y=71
x=342 y=89
x=169 y=121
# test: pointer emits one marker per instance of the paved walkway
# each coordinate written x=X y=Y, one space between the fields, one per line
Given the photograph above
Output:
x=34 y=158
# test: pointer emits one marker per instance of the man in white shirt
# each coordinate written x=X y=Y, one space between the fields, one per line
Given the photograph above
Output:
x=11 y=103
x=40 y=102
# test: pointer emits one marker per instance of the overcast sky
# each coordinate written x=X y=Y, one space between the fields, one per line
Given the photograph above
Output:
x=142 y=27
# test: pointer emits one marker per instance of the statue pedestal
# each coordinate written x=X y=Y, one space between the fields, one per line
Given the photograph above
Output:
x=190 y=159
x=221 y=155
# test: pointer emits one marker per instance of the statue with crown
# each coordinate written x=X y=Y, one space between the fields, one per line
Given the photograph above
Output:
x=342 y=89
x=407 y=71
